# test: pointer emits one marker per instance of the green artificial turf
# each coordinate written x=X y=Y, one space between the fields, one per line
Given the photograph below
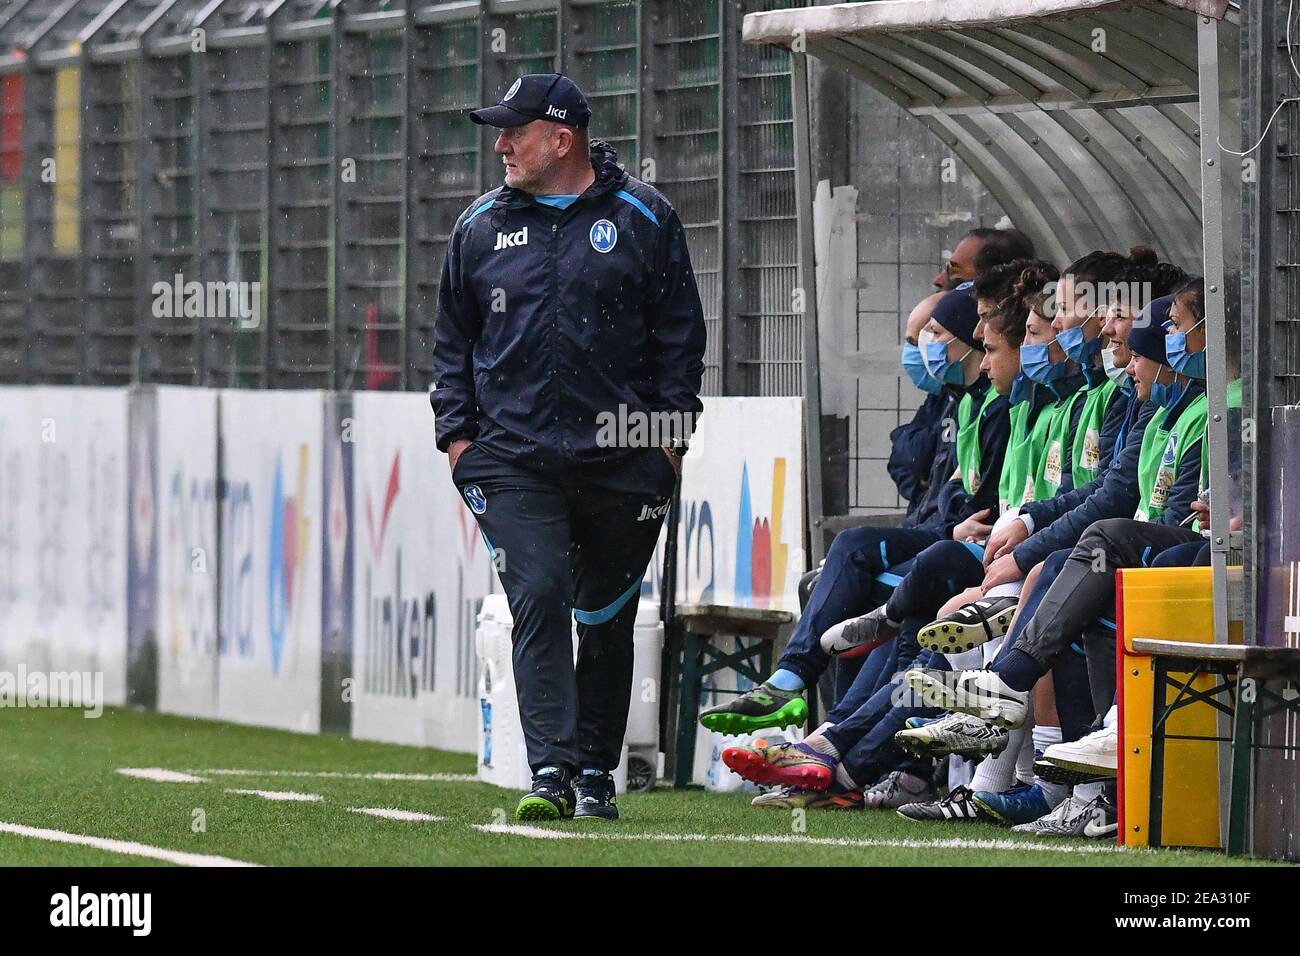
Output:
x=58 y=771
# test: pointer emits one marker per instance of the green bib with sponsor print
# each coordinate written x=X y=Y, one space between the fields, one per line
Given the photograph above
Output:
x=1085 y=460
x=1024 y=454
x=1163 y=448
x=968 y=439
x=1234 y=403
x=1047 y=476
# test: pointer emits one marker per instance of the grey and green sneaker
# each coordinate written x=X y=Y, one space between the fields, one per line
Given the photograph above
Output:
x=762 y=708
x=551 y=798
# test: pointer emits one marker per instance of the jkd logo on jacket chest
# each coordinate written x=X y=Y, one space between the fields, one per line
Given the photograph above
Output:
x=507 y=240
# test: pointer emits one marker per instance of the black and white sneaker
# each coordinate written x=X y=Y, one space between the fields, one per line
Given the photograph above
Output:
x=1096 y=819
x=954 y=734
x=595 y=793
x=969 y=626
x=956 y=806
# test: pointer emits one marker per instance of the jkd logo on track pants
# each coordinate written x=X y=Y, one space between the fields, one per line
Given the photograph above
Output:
x=649 y=514
x=507 y=240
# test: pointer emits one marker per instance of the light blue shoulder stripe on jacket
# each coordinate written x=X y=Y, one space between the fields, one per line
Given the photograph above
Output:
x=627 y=197
x=486 y=205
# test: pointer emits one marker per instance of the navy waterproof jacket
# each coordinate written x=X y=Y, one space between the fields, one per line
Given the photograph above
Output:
x=549 y=317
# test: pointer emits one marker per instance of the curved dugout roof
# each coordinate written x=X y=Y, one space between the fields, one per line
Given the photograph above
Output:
x=1085 y=146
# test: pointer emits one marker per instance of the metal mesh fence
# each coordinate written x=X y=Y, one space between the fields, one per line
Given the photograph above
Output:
x=297 y=168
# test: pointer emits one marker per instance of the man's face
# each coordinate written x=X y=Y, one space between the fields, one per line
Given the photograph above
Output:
x=960 y=266
x=528 y=153
x=1001 y=362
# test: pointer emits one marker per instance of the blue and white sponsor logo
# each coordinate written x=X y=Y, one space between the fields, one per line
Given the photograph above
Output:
x=1171 y=447
x=476 y=499
x=514 y=88
x=603 y=235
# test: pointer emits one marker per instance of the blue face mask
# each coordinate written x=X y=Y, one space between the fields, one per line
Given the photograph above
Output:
x=1182 y=361
x=1021 y=387
x=1116 y=373
x=1166 y=396
x=1036 y=362
x=914 y=366
x=1071 y=340
x=940 y=366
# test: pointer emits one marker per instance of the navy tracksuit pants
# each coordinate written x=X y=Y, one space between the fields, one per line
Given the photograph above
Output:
x=847 y=587
x=570 y=544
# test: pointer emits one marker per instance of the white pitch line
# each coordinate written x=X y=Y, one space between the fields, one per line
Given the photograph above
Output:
x=290 y=795
x=159 y=775
x=391 y=813
x=337 y=775
x=541 y=833
x=126 y=847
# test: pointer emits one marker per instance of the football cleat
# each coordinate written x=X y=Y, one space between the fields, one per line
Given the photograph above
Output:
x=795 y=765
x=956 y=806
x=969 y=626
x=954 y=734
x=981 y=693
x=1022 y=804
x=897 y=789
x=1096 y=819
x=762 y=708
x=798 y=798
x=858 y=636
x=1096 y=753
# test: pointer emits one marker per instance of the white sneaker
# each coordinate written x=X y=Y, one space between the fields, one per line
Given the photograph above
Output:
x=979 y=692
x=1096 y=753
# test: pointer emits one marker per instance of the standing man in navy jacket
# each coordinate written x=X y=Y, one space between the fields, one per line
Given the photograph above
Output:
x=568 y=354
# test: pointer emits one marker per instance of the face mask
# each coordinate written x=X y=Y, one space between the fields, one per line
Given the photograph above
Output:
x=1035 y=361
x=1182 y=361
x=914 y=366
x=1071 y=340
x=1116 y=373
x=1166 y=396
x=940 y=366
x=1021 y=386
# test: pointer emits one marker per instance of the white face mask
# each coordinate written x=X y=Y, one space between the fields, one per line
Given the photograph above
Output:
x=1116 y=373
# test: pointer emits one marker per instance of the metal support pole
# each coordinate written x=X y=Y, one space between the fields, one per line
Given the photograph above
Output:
x=803 y=191
x=1216 y=348
x=1216 y=341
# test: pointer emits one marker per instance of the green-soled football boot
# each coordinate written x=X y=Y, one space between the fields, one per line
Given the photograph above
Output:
x=762 y=708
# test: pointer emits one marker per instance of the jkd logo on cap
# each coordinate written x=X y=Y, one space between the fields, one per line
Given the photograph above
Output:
x=556 y=112
x=603 y=235
x=506 y=240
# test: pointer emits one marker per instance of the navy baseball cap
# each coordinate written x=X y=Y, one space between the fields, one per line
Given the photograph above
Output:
x=548 y=96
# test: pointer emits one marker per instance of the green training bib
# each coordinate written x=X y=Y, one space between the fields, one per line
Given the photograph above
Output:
x=1163 y=448
x=1085 y=460
x=1051 y=467
x=968 y=439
